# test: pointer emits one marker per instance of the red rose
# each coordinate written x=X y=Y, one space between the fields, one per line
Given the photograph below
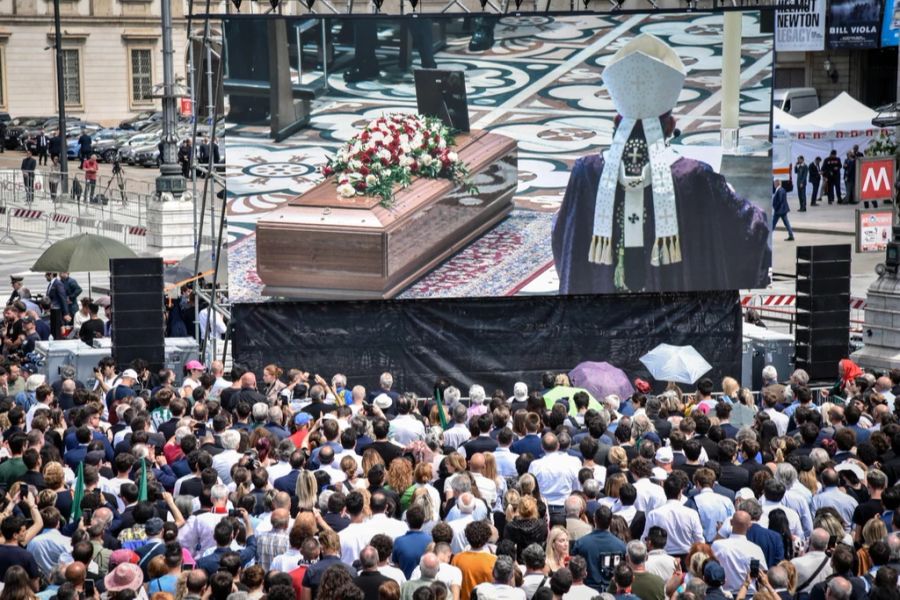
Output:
x=364 y=170
x=326 y=171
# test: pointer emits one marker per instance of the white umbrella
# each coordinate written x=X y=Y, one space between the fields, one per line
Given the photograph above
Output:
x=680 y=364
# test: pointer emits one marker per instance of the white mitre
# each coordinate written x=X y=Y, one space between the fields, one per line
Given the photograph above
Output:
x=644 y=79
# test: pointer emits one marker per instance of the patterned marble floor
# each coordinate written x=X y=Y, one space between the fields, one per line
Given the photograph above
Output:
x=539 y=84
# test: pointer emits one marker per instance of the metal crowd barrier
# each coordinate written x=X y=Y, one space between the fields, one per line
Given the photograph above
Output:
x=41 y=216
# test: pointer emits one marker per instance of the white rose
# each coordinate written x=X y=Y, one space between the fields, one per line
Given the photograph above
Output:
x=346 y=190
x=417 y=140
x=452 y=156
x=388 y=140
x=405 y=161
x=404 y=139
x=427 y=160
x=384 y=154
x=371 y=180
x=405 y=149
x=442 y=144
x=354 y=164
x=376 y=137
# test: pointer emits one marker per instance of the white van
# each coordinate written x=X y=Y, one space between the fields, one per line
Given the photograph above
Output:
x=796 y=101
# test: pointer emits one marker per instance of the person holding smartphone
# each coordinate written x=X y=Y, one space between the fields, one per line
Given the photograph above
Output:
x=736 y=553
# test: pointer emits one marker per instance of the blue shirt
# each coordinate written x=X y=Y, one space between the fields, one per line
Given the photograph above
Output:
x=714 y=509
x=408 y=549
x=844 y=503
x=506 y=462
x=166 y=583
x=602 y=551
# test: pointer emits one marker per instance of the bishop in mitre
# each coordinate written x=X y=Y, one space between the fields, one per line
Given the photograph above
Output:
x=640 y=218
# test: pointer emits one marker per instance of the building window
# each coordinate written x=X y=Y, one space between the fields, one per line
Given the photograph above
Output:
x=789 y=77
x=71 y=59
x=141 y=76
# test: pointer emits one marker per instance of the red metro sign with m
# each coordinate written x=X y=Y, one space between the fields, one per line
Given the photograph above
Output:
x=875 y=178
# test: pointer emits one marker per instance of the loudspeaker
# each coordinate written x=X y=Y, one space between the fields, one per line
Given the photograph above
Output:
x=823 y=308
x=138 y=324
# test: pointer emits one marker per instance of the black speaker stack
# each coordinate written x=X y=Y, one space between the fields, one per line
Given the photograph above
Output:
x=823 y=308
x=138 y=325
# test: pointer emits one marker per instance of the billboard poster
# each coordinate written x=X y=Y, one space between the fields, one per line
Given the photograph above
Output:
x=854 y=23
x=873 y=229
x=800 y=26
x=890 y=27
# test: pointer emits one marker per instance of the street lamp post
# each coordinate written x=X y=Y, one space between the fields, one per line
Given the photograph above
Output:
x=170 y=179
x=61 y=100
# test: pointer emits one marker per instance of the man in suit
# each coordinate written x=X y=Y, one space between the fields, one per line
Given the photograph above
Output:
x=288 y=483
x=815 y=178
x=28 y=167
x=56 y=292
x=57 y=146
x=831 y=168
x=801 y=170
x=16 y=282
x=780 y=208
x=41 y=145
x=73 y=290
x=732 y=476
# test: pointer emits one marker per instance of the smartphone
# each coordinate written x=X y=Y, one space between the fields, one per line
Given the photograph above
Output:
x=754 y=568
x=832 y=542
x=88 y=588
x=87 y=514
x=187 y=567
x=234 y=513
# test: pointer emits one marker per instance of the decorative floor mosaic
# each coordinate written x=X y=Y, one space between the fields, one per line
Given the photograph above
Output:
x=539 y=84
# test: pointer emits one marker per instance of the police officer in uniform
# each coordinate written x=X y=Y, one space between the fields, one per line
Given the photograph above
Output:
x=16 y=283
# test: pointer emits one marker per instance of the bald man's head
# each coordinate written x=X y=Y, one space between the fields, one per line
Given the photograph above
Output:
x=281 y=518
x=282 y=500
x=476 y=463
x=818 y=540
x=740 y=522
x=75 y=574
x=550 y=442
x=429 y=565
x=248 y=380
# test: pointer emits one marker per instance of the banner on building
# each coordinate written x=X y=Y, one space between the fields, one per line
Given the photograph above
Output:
x=854 y=24
x=800 y=25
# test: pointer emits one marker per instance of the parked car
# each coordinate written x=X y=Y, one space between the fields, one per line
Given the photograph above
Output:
x=141 y=120
x=146 y=156
x=796 y=102
x=105 y=144
x=17 y=127
x=28 y=136
x=141 y=140
x=5 y=117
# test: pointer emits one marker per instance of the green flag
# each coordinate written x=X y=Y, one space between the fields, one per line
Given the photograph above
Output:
x=142 y=486
x=440 y=403
x=79 y=493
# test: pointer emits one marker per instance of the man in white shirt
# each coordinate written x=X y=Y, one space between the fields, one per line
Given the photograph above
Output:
x=466 y=505
x=815 y=565
x=535 y=560
x=328 y=465
x=736 y=552
x=555 y=474
x=772 y=395
x=459 y=434
x=380 y=522
x=357 y=535
x=448 y=574
x=502 y=588
x=773 y=496
x=659 y=562
x=223 y=461
x=681 y=523
x=579 y=591
x=649 y=494
x=197 y=533
x=406 y=428
x=796 y=495
x=44 y=396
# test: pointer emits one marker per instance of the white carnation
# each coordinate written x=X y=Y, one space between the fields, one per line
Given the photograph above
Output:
x=346 y=190
x=442 y=144
x=427 y=160
x=452 y=156
x=371 y=180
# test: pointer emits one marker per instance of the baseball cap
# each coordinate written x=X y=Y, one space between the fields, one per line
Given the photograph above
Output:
x=27 y=320
x=302 y=418
x=130 y=373
x=153 y=526
x=122 y=556
x=713 y=573
x=659 y=474
x=194 y=364
x=664 y=455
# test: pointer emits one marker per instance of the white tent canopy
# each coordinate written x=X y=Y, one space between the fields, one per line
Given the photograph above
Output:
x=843 y=113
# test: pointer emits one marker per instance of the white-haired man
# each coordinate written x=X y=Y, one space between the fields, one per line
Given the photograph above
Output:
x=385 y=383
x=226 y=459
x=197 y=533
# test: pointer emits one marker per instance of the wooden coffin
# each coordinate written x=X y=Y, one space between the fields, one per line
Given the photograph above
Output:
x=321 y=246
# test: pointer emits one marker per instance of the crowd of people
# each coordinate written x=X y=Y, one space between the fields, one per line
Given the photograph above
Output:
x=824 y=177
x=165 y=486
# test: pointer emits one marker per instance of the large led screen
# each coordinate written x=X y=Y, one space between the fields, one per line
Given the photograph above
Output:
x=471 y=156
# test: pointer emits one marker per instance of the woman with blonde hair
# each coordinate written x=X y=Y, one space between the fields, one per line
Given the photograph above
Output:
x=455 y=466
x=350 y=468
x=562 y=380
x=370 y=458
x=828 y=519
x=743 y=412
x=306 y=490
x=511 y=501
x=490 y=472
x=421 y=498
x=730 y=388
x=423 y=475
x=873 y=531
x=272 y=380
x=611 y=488
x=617 y=459
x=399 y=478
x=55 y=480
x=557 y=548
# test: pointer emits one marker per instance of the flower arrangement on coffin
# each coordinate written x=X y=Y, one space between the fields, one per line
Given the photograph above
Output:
x=391 y=151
